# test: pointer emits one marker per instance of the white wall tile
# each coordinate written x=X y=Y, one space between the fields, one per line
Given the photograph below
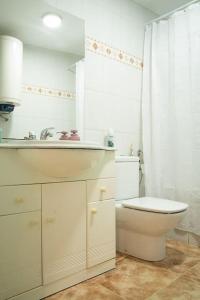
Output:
x=124 y=141
x=96 y=136
x=96 y=110
x=94 y=66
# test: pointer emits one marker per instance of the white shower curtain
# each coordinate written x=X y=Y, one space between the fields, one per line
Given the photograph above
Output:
x=171 y=111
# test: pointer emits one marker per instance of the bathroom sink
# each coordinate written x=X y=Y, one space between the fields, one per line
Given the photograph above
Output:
x=58 y=158
x=51 y=144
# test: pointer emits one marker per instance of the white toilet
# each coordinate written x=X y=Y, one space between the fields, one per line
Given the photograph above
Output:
x=142 y=223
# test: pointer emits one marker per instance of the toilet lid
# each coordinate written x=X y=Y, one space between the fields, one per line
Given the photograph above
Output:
x=155 y=205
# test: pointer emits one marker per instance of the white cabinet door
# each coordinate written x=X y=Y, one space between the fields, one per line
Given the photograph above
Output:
x=100 y=232
x=100 y=189
x=64 y=229
x=20 y=253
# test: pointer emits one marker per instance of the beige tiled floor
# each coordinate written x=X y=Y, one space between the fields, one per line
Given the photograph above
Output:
x=176 y=277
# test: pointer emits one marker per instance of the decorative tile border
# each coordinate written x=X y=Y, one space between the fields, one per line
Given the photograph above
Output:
x=44 y=91
x=113 y=53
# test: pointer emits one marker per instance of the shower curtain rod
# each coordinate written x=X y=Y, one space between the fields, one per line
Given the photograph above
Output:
x=172 y=12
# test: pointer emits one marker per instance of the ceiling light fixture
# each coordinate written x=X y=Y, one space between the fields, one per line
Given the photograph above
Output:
x=52 y=20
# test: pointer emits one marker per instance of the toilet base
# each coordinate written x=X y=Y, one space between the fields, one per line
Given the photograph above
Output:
x=151 y=248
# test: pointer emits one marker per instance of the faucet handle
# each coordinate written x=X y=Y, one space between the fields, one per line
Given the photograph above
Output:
x=46 y=133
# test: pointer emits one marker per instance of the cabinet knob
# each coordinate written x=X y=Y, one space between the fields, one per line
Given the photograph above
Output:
x=50 y=220
x=103 y=189
x=19 y=200
x=94 y=210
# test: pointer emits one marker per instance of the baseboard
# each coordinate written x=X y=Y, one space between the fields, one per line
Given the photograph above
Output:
x=66 y=282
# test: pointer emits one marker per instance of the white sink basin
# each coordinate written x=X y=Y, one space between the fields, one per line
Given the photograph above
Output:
x=50 y=144
x=58 y=158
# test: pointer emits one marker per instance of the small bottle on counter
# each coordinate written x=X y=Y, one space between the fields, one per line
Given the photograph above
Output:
x=109 y=139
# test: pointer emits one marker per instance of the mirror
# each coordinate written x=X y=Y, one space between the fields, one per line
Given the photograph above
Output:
x=51 y=59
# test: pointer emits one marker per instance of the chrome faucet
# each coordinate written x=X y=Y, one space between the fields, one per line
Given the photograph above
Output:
x=45 y=133
x=31 y=136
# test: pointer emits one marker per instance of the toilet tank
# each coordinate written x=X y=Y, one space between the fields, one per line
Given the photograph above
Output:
x=127 y=177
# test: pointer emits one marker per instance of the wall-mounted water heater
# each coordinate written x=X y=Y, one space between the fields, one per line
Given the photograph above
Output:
x=11 y=59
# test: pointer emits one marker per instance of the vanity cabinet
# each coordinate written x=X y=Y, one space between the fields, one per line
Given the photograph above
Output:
x=54 y=232
x=20 y=253
x=64 y=229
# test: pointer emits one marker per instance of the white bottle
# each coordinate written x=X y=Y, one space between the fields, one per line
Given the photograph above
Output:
x=110 y=138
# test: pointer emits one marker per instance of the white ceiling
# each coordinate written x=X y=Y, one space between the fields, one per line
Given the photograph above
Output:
x=23 y=19
x=161 y=6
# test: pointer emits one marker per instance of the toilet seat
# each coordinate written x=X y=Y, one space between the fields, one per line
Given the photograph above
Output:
x=157 y=205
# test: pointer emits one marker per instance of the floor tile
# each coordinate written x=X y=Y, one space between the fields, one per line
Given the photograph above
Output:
x=86 y=292
x=177 y=277
x=177 y=260
x=184 y=288
x=134 y=280
x=194 y=271
x=188 y=250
